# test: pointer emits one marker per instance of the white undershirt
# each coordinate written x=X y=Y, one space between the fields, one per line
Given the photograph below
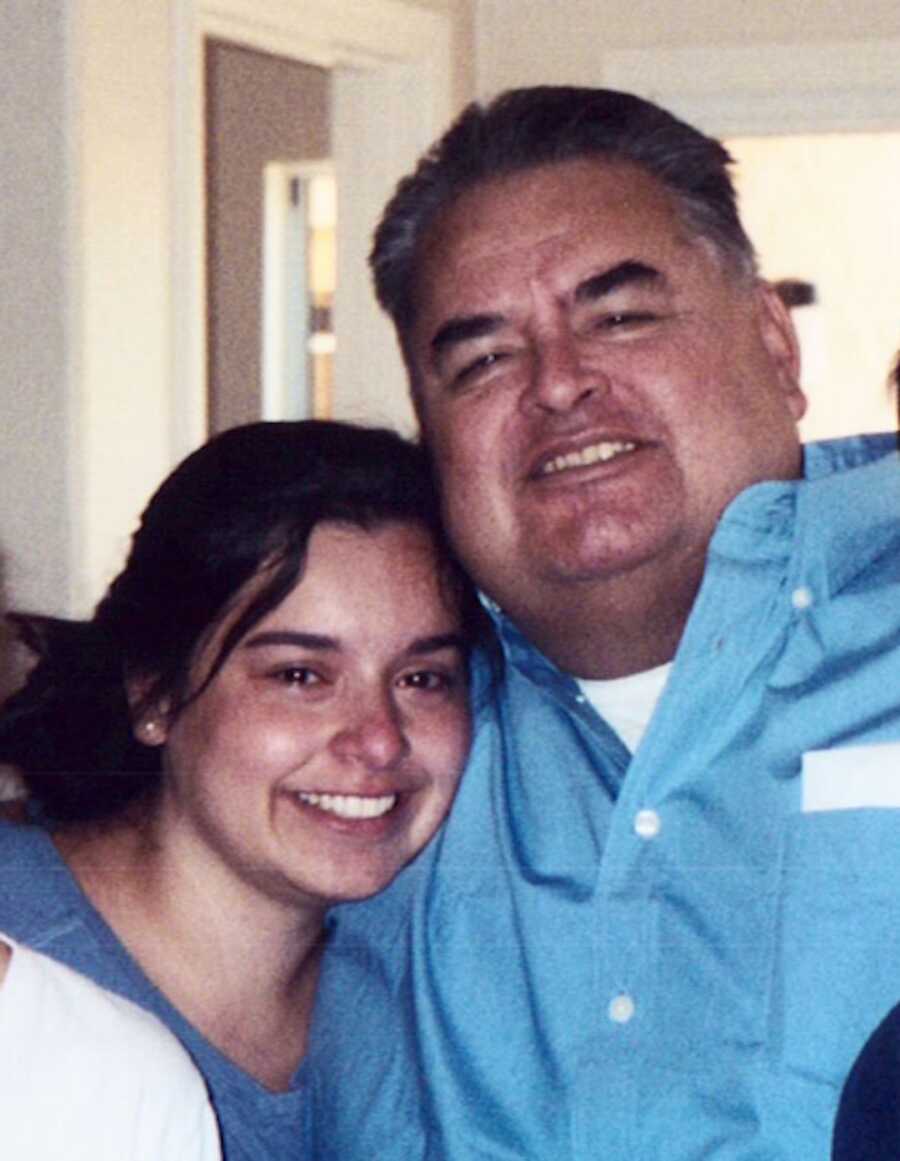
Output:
x=627 y=703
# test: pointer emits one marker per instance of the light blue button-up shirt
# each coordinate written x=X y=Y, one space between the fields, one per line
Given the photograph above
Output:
x=664 y=956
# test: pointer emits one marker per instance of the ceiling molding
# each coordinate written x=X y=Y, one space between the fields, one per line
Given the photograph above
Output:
x=768 y=88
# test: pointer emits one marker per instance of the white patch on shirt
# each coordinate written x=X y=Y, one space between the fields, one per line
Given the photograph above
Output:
x=852 y=777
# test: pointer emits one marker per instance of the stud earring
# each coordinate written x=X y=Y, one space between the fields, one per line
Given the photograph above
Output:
x=149 y=730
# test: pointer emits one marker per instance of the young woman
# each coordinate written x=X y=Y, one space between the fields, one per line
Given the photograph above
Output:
x=267 y=714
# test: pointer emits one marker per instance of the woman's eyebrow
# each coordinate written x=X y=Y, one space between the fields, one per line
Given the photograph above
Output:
x=622 y=274
x=292 y=638
x=433 y=643
x=436 y=643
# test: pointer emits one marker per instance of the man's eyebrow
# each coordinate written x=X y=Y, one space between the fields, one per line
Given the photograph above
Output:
x=464 y=328
x=476 y=326
x=623 y=274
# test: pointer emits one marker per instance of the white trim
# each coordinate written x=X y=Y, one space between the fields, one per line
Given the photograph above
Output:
x=836 y=111
x=274 y=289
x=768 y=88
x=278 y=366
x=361 y=33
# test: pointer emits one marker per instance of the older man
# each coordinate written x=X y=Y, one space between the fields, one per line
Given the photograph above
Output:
x=662 y=918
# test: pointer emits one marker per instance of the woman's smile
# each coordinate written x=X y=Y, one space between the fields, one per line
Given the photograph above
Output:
x=347 y=704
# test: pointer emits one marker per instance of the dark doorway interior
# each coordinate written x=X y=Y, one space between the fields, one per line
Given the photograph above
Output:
x=259 y=108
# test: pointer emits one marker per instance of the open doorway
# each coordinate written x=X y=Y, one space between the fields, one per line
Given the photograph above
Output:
x=133 y=400
x=822 y=209
x=299 y=281
x=261 y=110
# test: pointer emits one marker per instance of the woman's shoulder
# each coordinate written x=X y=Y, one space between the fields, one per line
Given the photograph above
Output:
x=37 y=893
x=26 y=850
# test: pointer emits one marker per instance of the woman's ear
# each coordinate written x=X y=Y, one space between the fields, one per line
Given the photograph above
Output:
x=149 y=715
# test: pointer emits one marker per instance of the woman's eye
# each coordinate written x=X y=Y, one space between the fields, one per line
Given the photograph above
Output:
x=427 y=680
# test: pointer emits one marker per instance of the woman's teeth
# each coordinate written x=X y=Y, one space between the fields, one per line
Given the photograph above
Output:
x=350 y=805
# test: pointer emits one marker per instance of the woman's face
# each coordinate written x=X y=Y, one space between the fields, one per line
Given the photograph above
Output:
x=327 y=749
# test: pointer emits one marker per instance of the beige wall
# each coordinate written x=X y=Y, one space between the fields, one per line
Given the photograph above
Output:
x=124 y=396
x=35 y=337
x=85 y=340
x=462 y=17
x=825 y=209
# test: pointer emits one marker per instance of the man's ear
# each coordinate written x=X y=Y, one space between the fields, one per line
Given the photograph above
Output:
x=780 y=340
x=150 y=716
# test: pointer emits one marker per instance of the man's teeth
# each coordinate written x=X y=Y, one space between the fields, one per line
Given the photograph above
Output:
x=593 y=454
x=350 y=805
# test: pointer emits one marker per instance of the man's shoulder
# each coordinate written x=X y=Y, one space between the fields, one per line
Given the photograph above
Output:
x=849 y=505
x=844 y=458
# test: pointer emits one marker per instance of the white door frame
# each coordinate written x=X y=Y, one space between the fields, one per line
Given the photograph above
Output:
x=287 y=379
x=392 y=86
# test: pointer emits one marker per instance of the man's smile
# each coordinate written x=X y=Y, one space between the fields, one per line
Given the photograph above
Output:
x=600 y=452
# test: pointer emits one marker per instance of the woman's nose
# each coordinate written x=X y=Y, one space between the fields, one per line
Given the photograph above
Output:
x=373 y=737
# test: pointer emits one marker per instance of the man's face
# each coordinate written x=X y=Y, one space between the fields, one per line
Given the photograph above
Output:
x=594 y=384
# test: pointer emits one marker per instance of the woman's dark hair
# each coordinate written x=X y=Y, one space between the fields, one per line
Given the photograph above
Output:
x=247 y=499
x=547 y=124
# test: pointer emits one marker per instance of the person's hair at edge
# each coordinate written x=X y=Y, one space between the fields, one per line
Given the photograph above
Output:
x=526 y=128
x=243 y=504
x=894 y=382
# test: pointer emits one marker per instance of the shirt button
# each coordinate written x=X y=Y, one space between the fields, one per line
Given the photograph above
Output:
x=801 y=598
x=647 y=824
x=621 y=1008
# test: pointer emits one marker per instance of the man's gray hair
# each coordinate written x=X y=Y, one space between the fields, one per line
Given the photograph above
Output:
x=525 y=128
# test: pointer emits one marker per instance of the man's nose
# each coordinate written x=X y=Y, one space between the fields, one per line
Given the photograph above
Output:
x=373 y=734
x=560 y=380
